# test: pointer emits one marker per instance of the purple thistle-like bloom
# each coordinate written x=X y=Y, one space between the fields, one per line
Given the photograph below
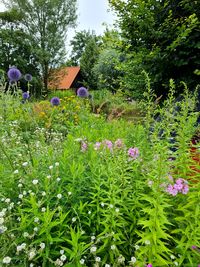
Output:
x=108 y=144
x=28 y=77
x=82 y=92
x=118 y=143
x=25 y=95
x=133 y=152
x=14 y=74
x=55 y=101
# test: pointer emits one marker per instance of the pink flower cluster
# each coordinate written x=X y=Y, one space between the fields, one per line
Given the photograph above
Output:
x=133 y=152
x=149 y=265
x=180 y=186
x=108 y=144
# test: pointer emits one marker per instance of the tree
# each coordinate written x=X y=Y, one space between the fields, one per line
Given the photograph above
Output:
x=167 y=33
x=46 y=22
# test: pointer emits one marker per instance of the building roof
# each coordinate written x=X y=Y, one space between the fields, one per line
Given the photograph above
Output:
x=63 y=78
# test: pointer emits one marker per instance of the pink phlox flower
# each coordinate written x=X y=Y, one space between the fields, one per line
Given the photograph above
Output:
x=171 y=190
x=97 y=145
x=133 y=152
x=119 y=143
x=185 y=189
x=108 y=144
x=84 y=146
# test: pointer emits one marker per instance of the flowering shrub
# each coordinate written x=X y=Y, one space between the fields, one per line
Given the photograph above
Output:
x=90 y=198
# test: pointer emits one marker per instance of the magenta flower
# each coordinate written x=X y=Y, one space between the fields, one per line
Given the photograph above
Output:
x=133 y=152
x=108 y=144
x=149 y=265
x=14 y=74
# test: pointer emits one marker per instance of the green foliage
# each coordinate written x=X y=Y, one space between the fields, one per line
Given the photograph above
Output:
x=161 y=37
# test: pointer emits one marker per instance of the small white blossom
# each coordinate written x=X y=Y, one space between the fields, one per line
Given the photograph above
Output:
x=176 y=263
x=31 y=254
x=63 y=257
x=43 y=193
x=82 y=261
x=48 y=176
x=16 y=172
x=43 y=209
x=20 y=196
x=62 y=251
x=137 y=247
x=24 y=164
x=20 y=185
x=59 y=196
x=31 y=265
x=172 y=257
x=117 y=209
x=58 y=179
x=23 y=245
x=133 y=260
x=58 y=262
x=102 y=204
x=24 y=193
x=57 y=164
x=107 y=265
x=73 y=219
x=6 y=260
x=50 y=167
x=42 y=245
x=97 y=259
x=147 y=242
x=93 y=249
x=7 y=200
x=36 y=220
x=93 y=238
x=2 y=213
x=69 y=193
x=25 y=234
x=35 y=181
x=89 y=212
x=111 y=206
x=35 y=229
x=1 y=220
x=3 y=229
x=113 y=247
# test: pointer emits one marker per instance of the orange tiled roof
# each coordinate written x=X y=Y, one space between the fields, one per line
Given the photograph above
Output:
x=63 y=78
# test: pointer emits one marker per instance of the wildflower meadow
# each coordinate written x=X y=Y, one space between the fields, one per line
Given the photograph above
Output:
x=77 y=189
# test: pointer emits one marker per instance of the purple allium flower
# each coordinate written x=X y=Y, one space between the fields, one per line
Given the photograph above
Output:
x=118 y=143
x=55 y=101
x=25 y=95
x=133 y=152
x=84 y=146
x=28 y=77
x=97 y=145
x=82 y=92
x=14 y=74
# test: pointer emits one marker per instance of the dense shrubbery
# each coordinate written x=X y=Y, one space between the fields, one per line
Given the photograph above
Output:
x=98 y=193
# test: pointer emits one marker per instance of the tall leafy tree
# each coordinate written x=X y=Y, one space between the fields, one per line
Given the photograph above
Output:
x=163 y=37
x=46 y=21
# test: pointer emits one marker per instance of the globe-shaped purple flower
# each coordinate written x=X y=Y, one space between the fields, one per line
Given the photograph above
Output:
x=14 y=74
x=82 y=92
x=25 y=95
x=28 y=77
x=55 y=101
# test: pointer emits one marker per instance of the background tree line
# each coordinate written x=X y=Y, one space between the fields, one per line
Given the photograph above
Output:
x=160 y=37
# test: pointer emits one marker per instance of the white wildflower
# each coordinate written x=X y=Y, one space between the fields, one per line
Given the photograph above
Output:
x=89 y=212
x=176 y=263
x=24 y=164
x=57 y=164
x=48 y=176
x=31 y=254
x=7 y=200
x=63 y=257
x=172 y=257
x=50 y=167
x=1 y=220
x=117 y=209
x=111 y=206
x=16 y=172
x=93 y=249
x=58 y=179
x=69 y=193
x=93 y=237
x=107 y=265
x=73 y=219
x=35 y=229
x=36 y=220
x=137 y=247
x=25 y=234
x=6 y=260
x=42 y=245
x=59 y=196
x=35 y=181
x=20 y=185
x=20 y=196
x=147 y=242
x=2 y=213
x=113 y=247
x=58 y=262
x=102 y=204
x=82 y=261
x=133 y=260
x=43 y=193
x=62 y=251
x=43 y=209
x=97 y=259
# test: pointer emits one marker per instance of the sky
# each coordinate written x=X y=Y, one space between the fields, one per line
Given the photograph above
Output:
x=91 y=15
